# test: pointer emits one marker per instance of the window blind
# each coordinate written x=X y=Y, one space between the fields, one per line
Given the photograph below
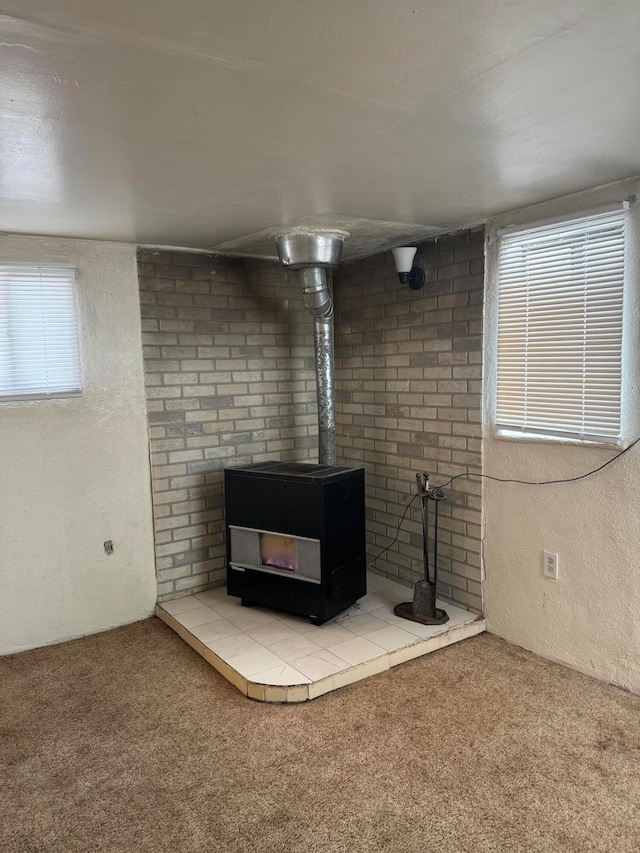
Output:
x=39 y=349
x=560 y=329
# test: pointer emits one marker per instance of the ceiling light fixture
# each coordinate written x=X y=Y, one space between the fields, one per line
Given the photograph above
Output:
x=408 y=274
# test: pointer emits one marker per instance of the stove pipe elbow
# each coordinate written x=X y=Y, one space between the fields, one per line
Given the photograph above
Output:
x=316 y=296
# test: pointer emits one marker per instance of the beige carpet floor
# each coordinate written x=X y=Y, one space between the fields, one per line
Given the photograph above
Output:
x=128 y=741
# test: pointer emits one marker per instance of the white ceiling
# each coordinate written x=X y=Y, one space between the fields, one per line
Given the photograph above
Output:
x=199 y=122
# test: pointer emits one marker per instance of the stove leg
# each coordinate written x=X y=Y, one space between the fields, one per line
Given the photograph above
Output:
x=246 y=603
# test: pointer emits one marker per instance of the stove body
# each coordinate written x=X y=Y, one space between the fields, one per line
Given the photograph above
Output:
x=296 y=537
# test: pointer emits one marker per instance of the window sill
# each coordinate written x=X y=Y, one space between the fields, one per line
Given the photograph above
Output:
x=27 y=399
x=531 y=438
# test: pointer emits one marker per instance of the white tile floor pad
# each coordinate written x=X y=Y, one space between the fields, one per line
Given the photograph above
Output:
x=274 y=656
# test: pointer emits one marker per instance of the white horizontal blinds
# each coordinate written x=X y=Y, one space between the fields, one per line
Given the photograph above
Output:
x=39 y=350
x=560 y=328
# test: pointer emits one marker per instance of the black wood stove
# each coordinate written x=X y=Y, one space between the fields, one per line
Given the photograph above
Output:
x=296 y=537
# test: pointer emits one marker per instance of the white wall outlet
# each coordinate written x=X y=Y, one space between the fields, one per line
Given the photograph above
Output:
x=551 y=565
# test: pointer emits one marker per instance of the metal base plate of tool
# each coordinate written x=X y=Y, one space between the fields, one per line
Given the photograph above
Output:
x=405 y=610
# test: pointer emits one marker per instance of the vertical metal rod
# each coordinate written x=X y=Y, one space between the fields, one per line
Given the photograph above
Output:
x=425 y=536
x=435 y=548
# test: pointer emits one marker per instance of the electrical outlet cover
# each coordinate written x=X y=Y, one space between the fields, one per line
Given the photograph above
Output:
x=550 y=566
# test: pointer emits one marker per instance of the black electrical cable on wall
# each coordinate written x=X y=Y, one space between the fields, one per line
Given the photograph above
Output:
x=384 y=550
x=545 y=482
x=507 y=480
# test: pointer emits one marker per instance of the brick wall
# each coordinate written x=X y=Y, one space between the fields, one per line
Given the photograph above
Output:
x=228 y=354
x=230 y=380
x=408 y=380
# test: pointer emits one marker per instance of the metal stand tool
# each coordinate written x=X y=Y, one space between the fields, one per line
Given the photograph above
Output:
x=423 y=607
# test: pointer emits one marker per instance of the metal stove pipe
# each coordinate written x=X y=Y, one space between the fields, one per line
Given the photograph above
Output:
x=318 y=301
x=311 y=254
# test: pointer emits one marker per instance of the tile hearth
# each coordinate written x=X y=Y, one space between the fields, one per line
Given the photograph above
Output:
x=273 y=656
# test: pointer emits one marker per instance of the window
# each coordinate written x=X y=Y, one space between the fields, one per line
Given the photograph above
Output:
x=39 y=349
x=560 y=329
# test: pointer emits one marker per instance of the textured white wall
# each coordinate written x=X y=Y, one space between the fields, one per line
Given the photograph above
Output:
x=75 y=472
x=590 y=618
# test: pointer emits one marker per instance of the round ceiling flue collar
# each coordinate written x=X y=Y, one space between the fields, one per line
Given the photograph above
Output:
x=310 y=249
